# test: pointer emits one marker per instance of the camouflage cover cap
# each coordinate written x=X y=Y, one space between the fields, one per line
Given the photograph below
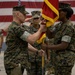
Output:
x=66 y=8
x=35 y=14
x=21 y=9
x=63 y=5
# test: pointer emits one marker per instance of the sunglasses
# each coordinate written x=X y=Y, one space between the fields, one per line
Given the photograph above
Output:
x=36 y=18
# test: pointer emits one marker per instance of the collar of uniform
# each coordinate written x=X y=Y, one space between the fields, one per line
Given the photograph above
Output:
x=15 y=23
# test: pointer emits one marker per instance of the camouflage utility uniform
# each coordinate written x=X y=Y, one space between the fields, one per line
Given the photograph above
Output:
x=34 y=59
x=16 y=53
x=50 y=65
x=64 y=59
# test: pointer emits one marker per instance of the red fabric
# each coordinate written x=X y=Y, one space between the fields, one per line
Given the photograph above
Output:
x=41 y=35
x=4 y=33
x=47 y=11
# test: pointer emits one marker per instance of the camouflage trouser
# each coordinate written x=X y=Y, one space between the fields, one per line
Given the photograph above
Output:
x=50 y=71
x=36 y=69
x=63 y=70
x=60 y=70
x=14 y=71
x=63 y=63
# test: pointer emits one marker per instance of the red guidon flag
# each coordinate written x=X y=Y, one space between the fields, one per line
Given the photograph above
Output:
x=50 y=11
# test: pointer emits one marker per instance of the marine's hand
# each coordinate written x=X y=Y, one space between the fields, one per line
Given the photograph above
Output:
x=28 y=19
x=48 y=60
x=43 y=28
x=41 y=52
x=44 y=46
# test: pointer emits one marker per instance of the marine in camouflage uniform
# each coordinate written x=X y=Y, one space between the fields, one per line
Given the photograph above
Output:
x=64 y=39
x=16 y=49
x=65 y=58
x=16 y=54
x=36 y=62
x=34 y=59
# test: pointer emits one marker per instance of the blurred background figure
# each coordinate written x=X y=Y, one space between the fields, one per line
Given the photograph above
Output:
x=1 y=39
x=34 y=59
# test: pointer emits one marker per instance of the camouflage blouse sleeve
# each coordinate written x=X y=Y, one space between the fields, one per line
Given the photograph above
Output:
x=21 y=32
x=67 y=34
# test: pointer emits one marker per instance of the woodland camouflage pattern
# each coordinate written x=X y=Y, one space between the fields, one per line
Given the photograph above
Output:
x=34 y=59
x=64 y=59
x=16 y=51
